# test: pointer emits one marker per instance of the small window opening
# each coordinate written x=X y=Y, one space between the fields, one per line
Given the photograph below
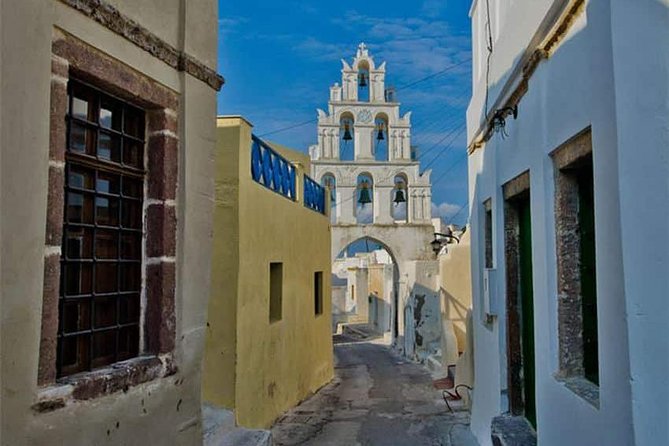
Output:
x=275 y=291
x=318 y=293
x=488 y=234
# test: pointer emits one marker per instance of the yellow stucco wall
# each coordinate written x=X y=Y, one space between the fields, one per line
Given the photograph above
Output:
x=261 y=369
x=456 y=289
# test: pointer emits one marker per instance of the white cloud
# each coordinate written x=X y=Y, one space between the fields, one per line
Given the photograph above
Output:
x=320 y=50
x=413 y=46
x=229 y=25
x=445 y=210
x=432 y=8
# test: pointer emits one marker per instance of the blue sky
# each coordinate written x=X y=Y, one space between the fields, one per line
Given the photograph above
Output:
x=279 y=59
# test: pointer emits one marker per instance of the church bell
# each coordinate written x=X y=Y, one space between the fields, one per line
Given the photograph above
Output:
x=347 y=133
x=362 y=80
x=379 y=136
x=365 y=197
x=399 y=197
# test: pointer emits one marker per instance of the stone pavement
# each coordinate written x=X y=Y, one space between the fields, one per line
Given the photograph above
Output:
x=376 y=399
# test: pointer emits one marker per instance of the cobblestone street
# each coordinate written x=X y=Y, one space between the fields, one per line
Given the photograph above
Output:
x=376 y=399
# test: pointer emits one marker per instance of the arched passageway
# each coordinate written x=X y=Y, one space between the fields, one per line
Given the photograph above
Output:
x=365 y=286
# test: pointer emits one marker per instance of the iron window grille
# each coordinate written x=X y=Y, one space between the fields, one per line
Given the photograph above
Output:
x=101 y=260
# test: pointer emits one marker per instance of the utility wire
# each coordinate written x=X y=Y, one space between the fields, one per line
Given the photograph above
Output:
x=441 y=177
x=462 y=128
x=294 y=126
x=453 y=166
x=462 y=208
x=438 y=73
x=490 y=50
x=435 y=145
x=403 y=87
x=436 y=115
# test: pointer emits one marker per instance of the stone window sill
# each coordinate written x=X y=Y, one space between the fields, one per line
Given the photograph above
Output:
x=101 y=382
x=582 y=388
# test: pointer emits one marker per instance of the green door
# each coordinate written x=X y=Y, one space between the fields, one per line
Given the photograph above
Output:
x=586 y=224
x=527 y=309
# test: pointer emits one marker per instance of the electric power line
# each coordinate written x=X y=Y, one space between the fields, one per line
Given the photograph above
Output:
x=438 y=73
x=462 y=208
x=409 y=85
x=462 y=128
x=429 y=149
x=294 y=126
x=453 y=166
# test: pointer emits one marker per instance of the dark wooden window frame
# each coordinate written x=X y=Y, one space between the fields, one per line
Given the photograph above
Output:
x=73 y=58
x=514 y=189
x=100 y=321
x=567 y=159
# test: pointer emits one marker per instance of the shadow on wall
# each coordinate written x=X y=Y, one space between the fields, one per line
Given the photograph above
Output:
x=380 y=313
x=456 y=312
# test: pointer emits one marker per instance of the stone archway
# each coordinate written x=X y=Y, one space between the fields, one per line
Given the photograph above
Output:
x=407 y=245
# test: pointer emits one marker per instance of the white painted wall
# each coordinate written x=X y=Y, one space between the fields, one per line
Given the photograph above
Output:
x=610 y=73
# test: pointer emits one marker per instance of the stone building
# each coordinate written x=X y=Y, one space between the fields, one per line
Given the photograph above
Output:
x=268 y=342
x=107 y=136
x=568 y=168
x=363 y=287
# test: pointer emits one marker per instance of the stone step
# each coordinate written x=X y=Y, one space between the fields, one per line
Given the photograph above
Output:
x=219 y=429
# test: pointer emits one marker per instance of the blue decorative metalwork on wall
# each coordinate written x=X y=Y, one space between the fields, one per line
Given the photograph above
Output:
x=271 y=169
x=314 y=195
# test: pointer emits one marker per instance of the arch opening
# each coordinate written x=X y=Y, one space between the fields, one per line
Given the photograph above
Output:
x=400 y=199
x=347 y=137
x=328 y=180
x=364 y=197
x=380 y=138
x=364 y=81
x=365 y=286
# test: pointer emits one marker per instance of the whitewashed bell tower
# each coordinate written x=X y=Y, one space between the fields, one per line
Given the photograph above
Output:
x=362 y=116
x=364 y=155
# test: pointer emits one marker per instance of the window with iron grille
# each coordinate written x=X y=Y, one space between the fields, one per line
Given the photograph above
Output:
x=101 y=262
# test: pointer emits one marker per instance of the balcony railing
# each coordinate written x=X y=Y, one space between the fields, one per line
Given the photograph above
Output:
x=271 y=169
x=314 y=195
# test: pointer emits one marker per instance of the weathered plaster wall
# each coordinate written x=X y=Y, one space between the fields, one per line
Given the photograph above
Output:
x=422 y=316
x=589 y=80
x=456 y=288
x=163 y=410
x=219 y=372
x=280 y=363
x=641 y=73
x=381 y=292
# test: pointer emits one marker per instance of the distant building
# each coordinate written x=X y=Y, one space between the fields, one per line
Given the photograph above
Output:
x=107 y=135
x=268 y=337
x=568 y=168
x=363 y=290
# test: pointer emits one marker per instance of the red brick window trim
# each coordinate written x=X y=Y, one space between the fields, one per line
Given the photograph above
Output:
x=576 y=289
x=73 y=58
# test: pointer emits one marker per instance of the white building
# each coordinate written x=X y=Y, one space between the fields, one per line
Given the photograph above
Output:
x=364 y=155
x=570 y=228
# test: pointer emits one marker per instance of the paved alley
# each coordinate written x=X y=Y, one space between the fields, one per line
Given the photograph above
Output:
x=376 y=399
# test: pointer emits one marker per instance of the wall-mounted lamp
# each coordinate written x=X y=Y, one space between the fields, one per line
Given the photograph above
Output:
x=499 y=119
x=445 y=239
